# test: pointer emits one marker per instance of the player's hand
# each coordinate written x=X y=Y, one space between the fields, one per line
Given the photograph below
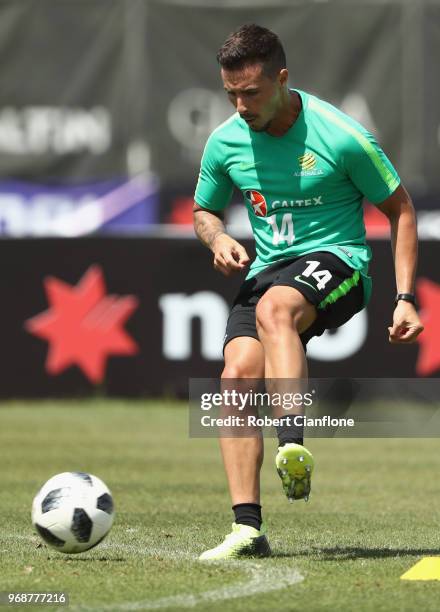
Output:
x=406 y=324
x=229 y=255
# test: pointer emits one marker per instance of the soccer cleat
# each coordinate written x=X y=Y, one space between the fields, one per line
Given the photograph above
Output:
x=295 y=466
x=243 y=541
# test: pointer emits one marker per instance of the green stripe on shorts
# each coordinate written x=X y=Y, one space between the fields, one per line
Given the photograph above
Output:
x=341 y=290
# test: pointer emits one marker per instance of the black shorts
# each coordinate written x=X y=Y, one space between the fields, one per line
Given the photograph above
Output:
x=324 y=280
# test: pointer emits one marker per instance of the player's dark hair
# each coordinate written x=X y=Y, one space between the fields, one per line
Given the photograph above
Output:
x=252 y=44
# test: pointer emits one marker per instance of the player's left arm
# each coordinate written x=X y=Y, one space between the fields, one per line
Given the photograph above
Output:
x=399 y=209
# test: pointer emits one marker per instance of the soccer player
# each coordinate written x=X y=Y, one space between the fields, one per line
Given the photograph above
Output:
x=303 y=168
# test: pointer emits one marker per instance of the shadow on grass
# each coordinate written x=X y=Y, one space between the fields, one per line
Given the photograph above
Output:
x=349 y=553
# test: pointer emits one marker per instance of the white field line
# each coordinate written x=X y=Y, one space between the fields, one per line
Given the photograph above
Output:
x=261 y=578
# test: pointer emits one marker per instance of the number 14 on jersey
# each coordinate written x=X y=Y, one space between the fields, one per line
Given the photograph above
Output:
x=285 y=232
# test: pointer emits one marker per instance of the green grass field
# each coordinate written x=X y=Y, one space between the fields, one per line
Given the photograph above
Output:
x=373 y=513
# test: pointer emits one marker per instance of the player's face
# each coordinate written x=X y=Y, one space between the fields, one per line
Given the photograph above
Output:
x=257 y=98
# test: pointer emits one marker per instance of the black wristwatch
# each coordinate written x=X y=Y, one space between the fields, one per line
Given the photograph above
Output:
x=406 y=297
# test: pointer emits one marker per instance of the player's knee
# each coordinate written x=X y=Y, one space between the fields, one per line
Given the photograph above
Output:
x=272 y=317
x=241 y=369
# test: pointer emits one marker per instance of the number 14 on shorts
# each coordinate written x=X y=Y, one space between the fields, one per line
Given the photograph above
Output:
x=321 y=276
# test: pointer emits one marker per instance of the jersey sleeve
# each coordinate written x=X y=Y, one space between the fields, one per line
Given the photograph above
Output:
x=214 y=186
x=369 y=168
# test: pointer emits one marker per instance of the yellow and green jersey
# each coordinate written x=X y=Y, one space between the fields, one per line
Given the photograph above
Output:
x=303 y=190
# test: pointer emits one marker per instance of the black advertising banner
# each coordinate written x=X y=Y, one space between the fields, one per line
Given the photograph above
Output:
x=139 y=317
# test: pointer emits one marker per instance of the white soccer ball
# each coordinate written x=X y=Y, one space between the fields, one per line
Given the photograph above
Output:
x=73 y=512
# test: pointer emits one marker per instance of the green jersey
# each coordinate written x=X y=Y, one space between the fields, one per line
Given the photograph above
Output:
x=303 y=190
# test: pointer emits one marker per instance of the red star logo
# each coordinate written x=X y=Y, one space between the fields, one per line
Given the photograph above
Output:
x=258 y=202
x=428 y=294
x=83 y=325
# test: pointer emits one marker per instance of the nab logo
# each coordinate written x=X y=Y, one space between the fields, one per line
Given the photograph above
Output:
x=84 y=325
x=258 y=202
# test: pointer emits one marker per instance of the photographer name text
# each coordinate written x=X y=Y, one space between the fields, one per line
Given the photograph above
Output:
x=266 y=421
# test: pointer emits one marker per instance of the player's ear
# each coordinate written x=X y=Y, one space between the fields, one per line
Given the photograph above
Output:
x=283 y=77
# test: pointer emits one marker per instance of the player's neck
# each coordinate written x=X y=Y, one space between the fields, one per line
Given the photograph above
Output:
x=287 y=115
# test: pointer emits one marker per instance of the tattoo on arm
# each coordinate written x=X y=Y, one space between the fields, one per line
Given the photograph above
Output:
x=207 y=226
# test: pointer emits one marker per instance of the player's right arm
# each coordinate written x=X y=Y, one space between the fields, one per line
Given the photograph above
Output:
x=229 y=255
x=213 y=193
